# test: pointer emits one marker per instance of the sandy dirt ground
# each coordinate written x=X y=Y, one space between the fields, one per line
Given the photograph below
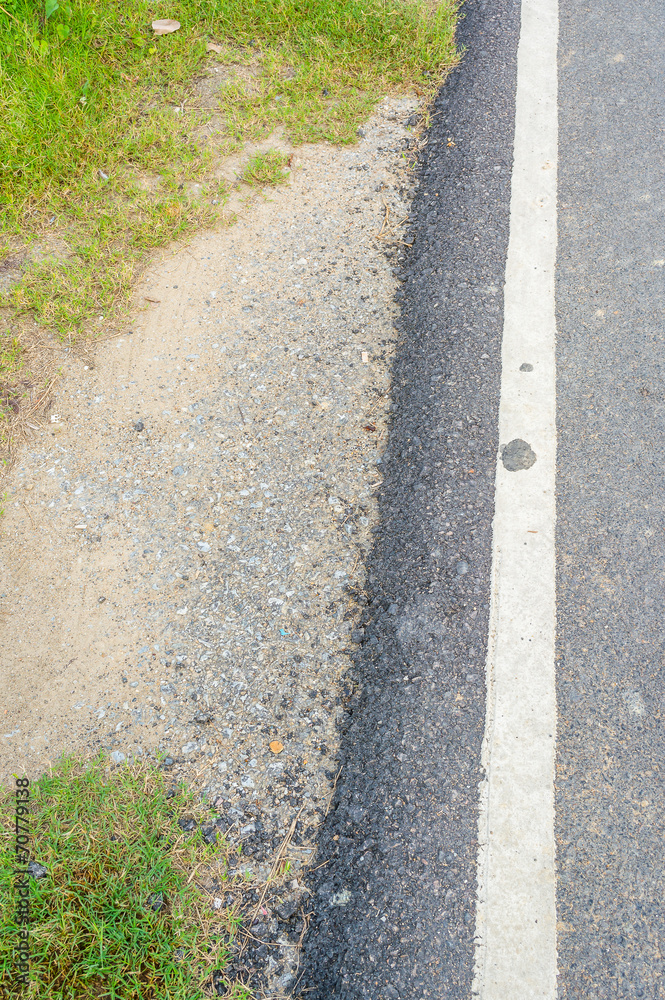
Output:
x=182 y=544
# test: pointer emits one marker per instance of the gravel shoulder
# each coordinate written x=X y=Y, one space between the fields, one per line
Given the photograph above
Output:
x=184 y=542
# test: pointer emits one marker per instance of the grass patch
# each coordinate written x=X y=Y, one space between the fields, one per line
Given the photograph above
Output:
x=265 y=169
x=119 y=911
x=104 y=124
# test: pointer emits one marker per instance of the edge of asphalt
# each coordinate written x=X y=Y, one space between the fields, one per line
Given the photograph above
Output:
x=394 y=881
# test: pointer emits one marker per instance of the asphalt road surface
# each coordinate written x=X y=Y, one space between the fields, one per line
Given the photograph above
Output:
x=475 y=622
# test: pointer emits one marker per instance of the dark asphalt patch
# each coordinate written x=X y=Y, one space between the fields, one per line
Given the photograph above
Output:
x=611 y=503
x=517 y=455
x=394 y=896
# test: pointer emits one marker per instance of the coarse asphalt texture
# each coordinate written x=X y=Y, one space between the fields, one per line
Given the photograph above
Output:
x=610 y=509
x=394 y=893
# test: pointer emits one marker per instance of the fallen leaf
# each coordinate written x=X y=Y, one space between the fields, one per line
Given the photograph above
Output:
x=214 y=47
x=165 y=26
x=276 y=746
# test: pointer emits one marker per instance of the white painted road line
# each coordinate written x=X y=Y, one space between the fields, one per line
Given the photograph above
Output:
x=516 y=912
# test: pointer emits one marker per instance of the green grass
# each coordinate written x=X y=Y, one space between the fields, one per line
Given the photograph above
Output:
x=265 y=169
x=91 y=88
x=102 y=127
x=117 y=915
